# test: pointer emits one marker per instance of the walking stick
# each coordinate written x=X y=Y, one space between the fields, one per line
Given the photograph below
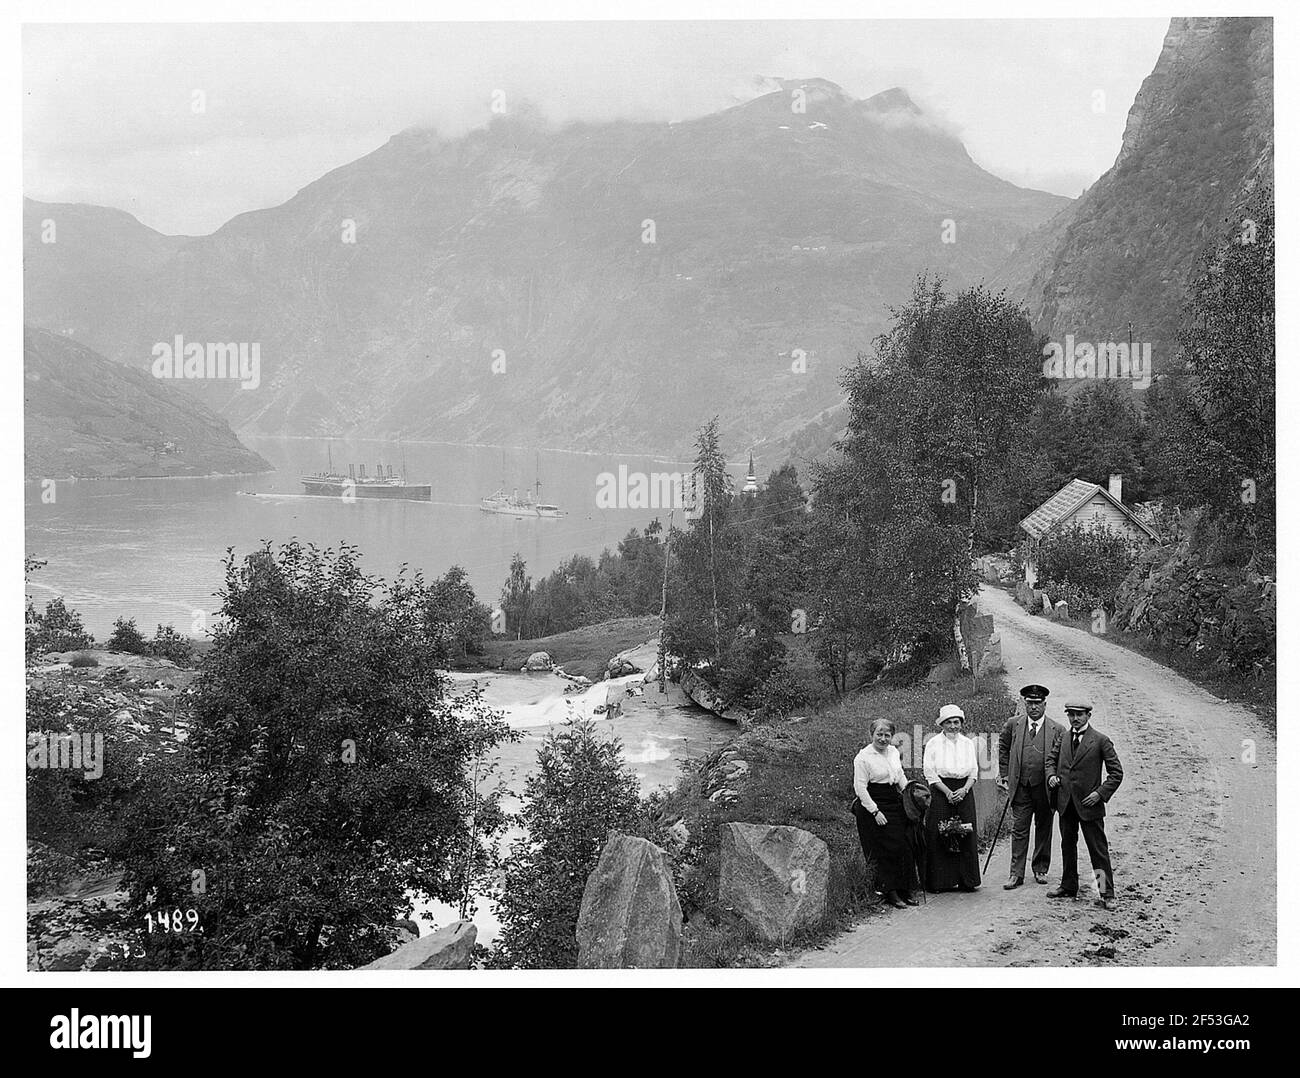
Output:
x=1001 y=820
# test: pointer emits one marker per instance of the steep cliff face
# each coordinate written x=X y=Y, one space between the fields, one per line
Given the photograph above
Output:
x=87 y=417
x=1199 y=136
x=610 y=285
x=1189 y=44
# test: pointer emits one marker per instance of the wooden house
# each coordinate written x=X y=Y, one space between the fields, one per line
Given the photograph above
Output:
x=1079 y=502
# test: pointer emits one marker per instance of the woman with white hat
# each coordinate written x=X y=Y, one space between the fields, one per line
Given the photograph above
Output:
x=951 y=767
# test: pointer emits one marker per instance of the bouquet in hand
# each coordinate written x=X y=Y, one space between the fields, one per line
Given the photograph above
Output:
x=953 y=830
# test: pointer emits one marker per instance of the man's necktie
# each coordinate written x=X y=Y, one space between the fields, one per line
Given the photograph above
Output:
x=1074 y=741
x=1033 y=730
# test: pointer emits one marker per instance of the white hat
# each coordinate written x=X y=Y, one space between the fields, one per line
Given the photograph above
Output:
x=951 y=711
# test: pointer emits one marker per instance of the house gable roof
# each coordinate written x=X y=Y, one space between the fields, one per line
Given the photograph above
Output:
x=1061 y=505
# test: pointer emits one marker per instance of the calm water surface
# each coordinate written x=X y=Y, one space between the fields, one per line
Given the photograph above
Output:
x=152 y=549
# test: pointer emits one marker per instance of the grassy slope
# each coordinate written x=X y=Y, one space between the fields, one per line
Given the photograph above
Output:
x=584 y=651
x=809 y=787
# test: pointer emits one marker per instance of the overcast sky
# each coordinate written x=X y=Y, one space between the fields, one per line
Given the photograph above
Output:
x=110 y=113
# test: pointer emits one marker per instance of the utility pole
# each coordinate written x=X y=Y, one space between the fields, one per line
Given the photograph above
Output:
x=663 y=607
x=713 y=575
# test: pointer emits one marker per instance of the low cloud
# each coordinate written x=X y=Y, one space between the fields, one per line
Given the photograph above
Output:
x=111 y=114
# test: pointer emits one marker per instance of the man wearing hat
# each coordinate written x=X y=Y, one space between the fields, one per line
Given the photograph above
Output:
x=1074 y=772
x=1024 y=746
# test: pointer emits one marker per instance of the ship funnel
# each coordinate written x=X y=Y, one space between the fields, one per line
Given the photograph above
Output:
x=352 y=472
x=363 y=470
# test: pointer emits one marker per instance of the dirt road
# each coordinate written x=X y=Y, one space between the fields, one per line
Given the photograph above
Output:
x=1192 y=832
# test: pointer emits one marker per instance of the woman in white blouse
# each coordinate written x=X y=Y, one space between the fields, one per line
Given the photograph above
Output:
x=951 y=768
x=879 y=781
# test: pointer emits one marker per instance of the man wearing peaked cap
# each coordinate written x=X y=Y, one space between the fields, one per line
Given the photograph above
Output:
x=1024 y=745
x=1074 y=772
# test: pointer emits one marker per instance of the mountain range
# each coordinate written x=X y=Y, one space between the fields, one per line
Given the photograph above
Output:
x=595 y=285
x=614 y=285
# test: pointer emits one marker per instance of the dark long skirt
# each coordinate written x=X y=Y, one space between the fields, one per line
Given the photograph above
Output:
x=886 y=847
x=945 y=870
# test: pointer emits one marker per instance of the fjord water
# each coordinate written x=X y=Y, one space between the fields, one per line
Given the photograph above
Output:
x=152 y=549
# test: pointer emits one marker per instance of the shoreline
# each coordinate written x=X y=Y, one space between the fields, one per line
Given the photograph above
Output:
x=129 y=478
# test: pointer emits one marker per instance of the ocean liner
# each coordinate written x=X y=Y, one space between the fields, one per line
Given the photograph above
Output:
x=383 y=484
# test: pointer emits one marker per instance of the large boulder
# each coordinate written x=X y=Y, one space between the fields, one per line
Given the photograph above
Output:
x=991 y=661
x=635 y=660
x=775 y=877
x=448 y=948
x=943 y=673
x=976 y=630
x=707 y=697
x=538 y=660
x=988 y=802
x=630 y=917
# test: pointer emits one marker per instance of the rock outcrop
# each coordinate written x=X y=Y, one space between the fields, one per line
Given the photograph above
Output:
x=537 y=662
x=1178 y=596
x=774 y=877
x=638 y=660
x=630 y=916
x=707 y=697
x=451 y=947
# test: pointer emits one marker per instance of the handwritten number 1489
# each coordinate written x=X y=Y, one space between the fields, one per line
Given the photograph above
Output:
x=174 y=921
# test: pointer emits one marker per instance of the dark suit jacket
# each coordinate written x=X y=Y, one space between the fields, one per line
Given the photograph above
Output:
x=1080 y=773
x=1014 y=731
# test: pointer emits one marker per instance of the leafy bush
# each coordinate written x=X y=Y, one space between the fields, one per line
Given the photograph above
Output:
x=48 y=870
x=167 y=643
x=579 y=792
x=57 y=629
x=1095 y=560
x=784 y=692
x=83 y=661
x=747 y=664
x=76 y=812
x=126 y=637
x=325 y=779
x=459 y=621
x=1080 y=602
